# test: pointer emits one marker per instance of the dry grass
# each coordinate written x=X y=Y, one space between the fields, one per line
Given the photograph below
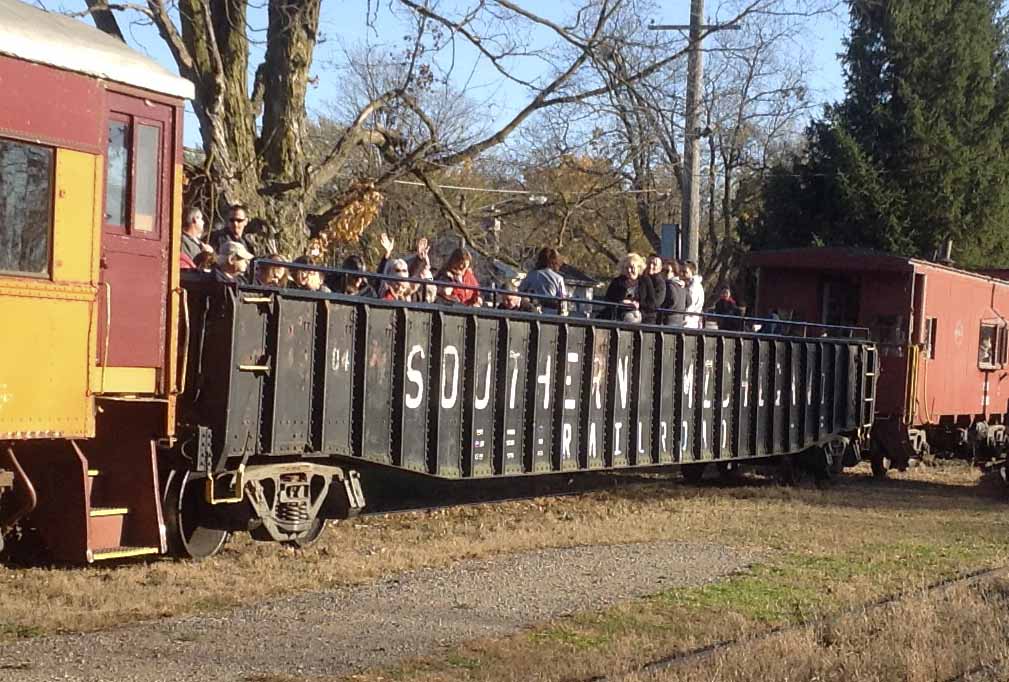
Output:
x=823 y=551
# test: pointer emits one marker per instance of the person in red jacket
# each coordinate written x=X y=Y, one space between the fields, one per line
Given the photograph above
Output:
x=457 y=269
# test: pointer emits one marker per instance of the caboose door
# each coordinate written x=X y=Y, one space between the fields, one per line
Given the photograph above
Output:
x=133 y=265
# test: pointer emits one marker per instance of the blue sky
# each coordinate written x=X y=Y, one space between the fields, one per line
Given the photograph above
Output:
x=344 y=26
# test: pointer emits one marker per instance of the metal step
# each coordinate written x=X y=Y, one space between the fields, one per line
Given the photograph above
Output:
x=123 y=553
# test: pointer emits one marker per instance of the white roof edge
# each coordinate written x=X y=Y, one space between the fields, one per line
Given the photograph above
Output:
x=35 y=35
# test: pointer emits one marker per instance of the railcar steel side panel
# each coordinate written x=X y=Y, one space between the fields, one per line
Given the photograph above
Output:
x=459 y=393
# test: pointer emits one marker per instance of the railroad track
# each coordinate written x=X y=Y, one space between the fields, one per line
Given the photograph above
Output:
x=698 y=654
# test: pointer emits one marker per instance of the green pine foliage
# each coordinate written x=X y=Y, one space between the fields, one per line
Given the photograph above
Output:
x=916 y=153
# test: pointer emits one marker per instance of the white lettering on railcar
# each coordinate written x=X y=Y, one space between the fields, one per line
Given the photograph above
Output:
x=704 y=434
x=708 y=366
x=544 y=380
x=725 y=433
x=809 y=387
x=688 y=385
x=570 y=403
x=509 y=443
x=415 y=377
x=663 y=434
x=745 y=386
x=478 y=445
x=777 y=382
x=623 y=376
x=481 y=402
x=566 y=437
x=641 y=450
x=760 y=393
x=794 y=399
x=616 y=439
x=449 y=401
x=337 y=363
x=514 y=378
x=598 y=373
x=683 y=436
x=592 y=441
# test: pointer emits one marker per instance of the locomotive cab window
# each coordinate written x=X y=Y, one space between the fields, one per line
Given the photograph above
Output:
x=993 y=346
x=26 y=207
x=132 y=175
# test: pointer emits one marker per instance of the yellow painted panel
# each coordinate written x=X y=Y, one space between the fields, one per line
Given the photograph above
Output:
x=129 y=380
x=172 y=329
x=44 y=364
x=76 y=221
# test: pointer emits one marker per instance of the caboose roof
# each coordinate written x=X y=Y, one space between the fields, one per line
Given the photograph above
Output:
x=34 y=35
x=853 y=259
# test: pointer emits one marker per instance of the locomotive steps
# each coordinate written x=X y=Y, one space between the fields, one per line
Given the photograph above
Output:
x=811 y=553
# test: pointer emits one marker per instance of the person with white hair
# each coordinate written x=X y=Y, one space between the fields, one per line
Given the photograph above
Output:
x=391 y=290
x=623 y=290
x=232 y=262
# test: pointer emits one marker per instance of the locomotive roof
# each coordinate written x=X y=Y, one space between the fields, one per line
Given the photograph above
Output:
x=34 y=35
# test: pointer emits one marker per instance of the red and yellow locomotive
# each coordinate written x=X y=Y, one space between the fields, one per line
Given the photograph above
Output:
x=90 y=197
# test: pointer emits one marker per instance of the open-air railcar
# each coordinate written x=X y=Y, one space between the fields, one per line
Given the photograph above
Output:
x=117 y=440
x=295 y=383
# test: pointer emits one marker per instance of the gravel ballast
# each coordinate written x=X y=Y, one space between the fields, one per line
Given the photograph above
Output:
x=342 y=631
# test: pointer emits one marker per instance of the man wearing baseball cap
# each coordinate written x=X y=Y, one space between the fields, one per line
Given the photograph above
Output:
x=232 y=262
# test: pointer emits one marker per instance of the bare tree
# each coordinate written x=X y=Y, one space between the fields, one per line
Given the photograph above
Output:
x=253 y=119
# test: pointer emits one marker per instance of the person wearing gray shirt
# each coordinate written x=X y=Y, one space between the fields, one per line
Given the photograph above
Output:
x=545 y=280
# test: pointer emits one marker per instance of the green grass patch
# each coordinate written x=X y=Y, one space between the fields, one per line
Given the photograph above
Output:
x=18 y=631
x=455 y=660
x=579 y=638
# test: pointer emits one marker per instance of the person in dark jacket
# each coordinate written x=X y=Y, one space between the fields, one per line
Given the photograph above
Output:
x=624 y=289
x=653 y=290
x=234 y=231
x=676 y=295
x=726 y=305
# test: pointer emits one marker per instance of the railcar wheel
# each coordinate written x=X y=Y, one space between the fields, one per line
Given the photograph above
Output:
x=692 y=473
x=310 y=537
x=788 y=471
x=729 y=472
x=183 y=502
x=880 y=464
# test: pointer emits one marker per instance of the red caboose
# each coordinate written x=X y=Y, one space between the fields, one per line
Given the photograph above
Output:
x=941 y=333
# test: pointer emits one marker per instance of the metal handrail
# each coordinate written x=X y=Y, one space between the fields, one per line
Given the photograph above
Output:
x=829 y=331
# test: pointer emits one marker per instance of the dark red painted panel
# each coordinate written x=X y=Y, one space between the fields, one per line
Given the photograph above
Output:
x=44 y=103
x=138 y=279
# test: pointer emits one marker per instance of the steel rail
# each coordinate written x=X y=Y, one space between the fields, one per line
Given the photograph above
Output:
x=697 y=654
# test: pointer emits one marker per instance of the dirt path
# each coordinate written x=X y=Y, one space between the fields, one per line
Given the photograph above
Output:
x=339 y=632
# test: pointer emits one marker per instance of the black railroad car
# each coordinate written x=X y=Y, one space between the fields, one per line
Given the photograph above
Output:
x=287 y=390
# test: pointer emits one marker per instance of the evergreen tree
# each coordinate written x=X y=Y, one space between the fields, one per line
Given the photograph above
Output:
x=916 y=152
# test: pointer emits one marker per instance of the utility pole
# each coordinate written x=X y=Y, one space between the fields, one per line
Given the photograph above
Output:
x=690 y=217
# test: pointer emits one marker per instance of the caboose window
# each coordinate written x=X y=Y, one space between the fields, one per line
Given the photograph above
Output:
x=133 y=167
x=26 y=207
x=931 y=328
x=987 y=353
